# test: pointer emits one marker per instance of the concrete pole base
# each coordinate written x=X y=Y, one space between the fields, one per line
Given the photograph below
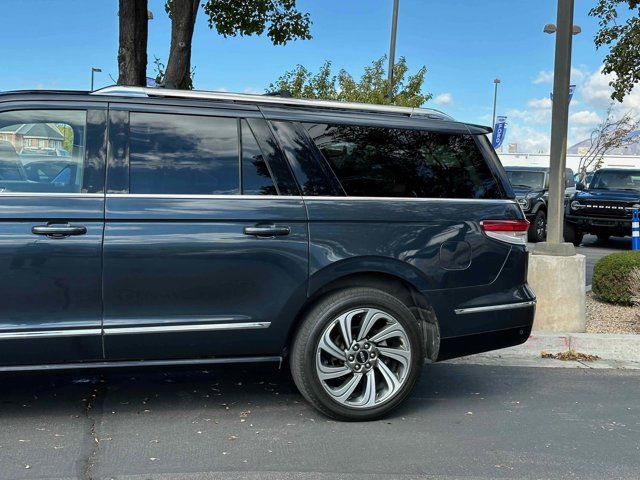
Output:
x=559 y=284
x=560 y=249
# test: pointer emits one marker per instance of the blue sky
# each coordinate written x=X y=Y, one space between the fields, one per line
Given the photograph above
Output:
x=464 y=44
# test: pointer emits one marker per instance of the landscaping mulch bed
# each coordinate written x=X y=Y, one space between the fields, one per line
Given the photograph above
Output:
x=607 y=318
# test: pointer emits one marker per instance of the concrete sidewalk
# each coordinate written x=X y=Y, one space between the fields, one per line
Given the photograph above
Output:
x=615 y=351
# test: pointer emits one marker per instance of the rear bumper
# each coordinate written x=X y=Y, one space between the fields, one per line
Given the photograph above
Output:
x=483 y=342
x=488 y=317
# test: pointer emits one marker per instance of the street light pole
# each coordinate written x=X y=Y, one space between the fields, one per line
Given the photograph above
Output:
x=392 y=46
x=559 y=125
x=495 y=100
x=94 y=70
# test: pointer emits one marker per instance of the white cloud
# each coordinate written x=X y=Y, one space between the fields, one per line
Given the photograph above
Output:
x=596 y=93
x=578 y=133
x=253 y=91
x=540 y=103
x=537 y=113
x=596 y=90
x=546 y=76
x=543 y=77
x=577 y=75
x=528 y=139
x=443 y=99
x=584 y=117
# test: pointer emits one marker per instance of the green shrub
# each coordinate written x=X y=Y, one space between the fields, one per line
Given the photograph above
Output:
x=612 y=277
x=634 y=277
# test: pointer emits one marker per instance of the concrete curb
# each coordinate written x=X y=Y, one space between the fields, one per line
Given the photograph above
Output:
x=615 y=351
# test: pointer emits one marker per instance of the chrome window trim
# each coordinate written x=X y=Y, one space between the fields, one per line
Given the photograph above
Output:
x=74 y=332
x=411 y=199
x=203 y=197
x=185 y=328
x=51 y=194
x=306 y=198
x=494 y=308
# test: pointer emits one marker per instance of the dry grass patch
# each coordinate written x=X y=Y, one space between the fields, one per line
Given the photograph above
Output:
x=570 y=355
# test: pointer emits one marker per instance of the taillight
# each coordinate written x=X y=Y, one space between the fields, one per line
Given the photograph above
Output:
x=510 y=231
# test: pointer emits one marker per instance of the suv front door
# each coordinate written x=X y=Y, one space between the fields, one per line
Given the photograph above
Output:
x=206 y=244
x=51 y=224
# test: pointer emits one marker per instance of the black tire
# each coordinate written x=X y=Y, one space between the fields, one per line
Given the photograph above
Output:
x=572 y=234
x=538 y=228
x=603 y=237
x=306 y=346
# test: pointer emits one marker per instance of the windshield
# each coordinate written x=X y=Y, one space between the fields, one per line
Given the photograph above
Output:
x=627 y=180
x=526 y=179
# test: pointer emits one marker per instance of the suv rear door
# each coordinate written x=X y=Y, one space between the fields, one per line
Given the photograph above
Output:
x=51 y=225
x=206 y=239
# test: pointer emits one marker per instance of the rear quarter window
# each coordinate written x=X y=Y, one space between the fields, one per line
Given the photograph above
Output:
x=388 y=162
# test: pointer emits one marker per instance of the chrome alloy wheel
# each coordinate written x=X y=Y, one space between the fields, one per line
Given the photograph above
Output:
x=363 y=358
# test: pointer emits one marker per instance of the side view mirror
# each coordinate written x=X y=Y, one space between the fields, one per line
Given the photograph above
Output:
x=580 y=186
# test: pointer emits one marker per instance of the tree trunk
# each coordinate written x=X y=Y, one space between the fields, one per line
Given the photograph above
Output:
x=132 y=49
x=183 y=19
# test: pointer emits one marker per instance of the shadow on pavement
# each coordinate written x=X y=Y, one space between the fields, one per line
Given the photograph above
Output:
x=166 y=389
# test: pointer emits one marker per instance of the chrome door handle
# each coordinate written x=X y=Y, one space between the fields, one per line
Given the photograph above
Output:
x=267 y=230
x=59 y=230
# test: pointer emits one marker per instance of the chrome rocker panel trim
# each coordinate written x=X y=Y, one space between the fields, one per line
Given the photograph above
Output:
x=493 y=308
x=140 y=363
x=81 y=332
x=185 y=328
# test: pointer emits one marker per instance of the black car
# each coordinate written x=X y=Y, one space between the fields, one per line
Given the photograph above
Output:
x=353 y=241
x=604 y=208
x=531 y=186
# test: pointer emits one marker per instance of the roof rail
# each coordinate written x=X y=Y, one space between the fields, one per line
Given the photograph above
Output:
x=269 y=100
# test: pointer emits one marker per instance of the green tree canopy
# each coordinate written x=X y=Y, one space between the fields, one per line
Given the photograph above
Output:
x=372 y=87
x=624 y=38
x=282 y=20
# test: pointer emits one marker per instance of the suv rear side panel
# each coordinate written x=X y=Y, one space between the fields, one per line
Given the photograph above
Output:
x=435 y=245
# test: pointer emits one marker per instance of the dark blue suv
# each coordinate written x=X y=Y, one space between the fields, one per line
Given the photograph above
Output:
x=149 y=226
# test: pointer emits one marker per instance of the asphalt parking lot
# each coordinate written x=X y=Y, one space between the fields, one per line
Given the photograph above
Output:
x=594 y=250
x=463 y=421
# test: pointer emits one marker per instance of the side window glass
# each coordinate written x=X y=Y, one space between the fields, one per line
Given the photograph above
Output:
x=183 y=154
x=256 y=176
x=312 y=174
x=42 y=151
x=385 y=162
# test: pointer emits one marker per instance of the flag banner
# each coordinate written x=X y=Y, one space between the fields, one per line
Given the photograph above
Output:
x=499 y=132
x=572 y=88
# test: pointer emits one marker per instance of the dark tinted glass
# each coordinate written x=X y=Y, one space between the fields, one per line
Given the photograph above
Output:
x=183 y=154
x=385 y=162
x=256 y=177
x=616 y=180
x=312 y=173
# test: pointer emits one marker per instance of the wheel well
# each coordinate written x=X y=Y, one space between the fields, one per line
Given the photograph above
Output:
x=402 y=290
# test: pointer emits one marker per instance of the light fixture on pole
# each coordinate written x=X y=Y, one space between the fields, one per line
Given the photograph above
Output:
x=564 y=30
x=392 y=47
x=94 y=70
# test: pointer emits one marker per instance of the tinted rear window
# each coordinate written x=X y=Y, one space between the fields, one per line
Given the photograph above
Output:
x=256 y=176
x=382 y=162
x=183 y=154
